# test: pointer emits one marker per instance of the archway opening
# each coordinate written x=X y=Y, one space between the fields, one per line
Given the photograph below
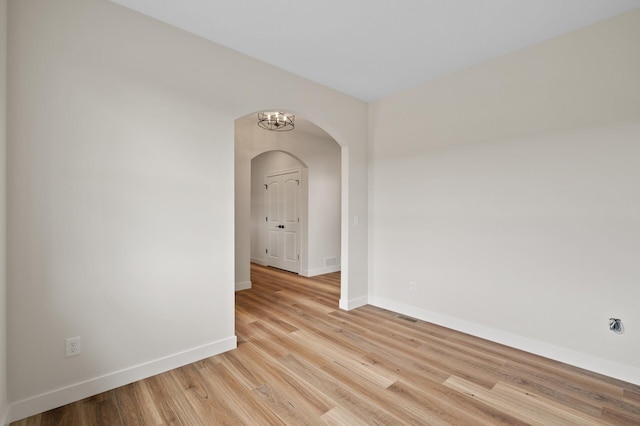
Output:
x=319 y=158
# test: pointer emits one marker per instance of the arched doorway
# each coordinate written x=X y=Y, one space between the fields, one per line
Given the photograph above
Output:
x=319 y=157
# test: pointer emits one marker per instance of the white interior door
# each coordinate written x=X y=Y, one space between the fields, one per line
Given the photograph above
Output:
x=282 y=202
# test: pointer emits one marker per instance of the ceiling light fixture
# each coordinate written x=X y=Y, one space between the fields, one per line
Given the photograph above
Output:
x=276 y=121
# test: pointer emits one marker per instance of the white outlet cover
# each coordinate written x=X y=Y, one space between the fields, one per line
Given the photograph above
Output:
x=73 y=346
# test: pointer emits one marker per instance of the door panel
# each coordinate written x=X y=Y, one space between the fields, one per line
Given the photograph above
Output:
x=291 y=185
x=273 y=247
x=290 y=247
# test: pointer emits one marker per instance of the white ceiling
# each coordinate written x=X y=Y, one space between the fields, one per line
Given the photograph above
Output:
x=372 y=48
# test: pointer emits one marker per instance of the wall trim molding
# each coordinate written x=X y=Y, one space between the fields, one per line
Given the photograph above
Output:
x=319 y=271
x=68 y=394
x=612 y=369
x=258 y=261
x=350 y=304
x=245 y=285
x=4 y=415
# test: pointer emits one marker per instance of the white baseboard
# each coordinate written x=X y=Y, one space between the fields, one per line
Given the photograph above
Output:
x=616 y=370
x=68 y=394
x=257 y=261
x=350 y=304
x=246 y=285
x=319 y=271
x=4 y=415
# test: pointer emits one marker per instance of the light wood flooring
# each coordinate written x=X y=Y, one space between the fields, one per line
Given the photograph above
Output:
x=301 y=360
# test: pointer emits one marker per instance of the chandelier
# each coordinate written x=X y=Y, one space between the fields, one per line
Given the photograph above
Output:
x=276 y=121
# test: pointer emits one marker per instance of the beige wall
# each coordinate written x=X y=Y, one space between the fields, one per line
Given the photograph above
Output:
x=121 y=193
x=3 y=146
x=510 y=193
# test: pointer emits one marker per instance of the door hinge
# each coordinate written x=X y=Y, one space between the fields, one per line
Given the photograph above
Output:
x=298 y=220
x=266 y=219
x=266 y=251
x=298 y=257
x=266 y=186
x=298 y=182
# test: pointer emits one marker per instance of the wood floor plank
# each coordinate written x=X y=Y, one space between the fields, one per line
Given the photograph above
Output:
x=339 y=416
x=136 y=405
x=581 y=404
x=344 y=359
x=302 y=360
x=342 y=393
x=163 y=389
x=450 y=406
x=200 y=397
x=551 y=409
x=527 y=407
x=631 y=397
x=246 y=408
x=101 y=409
x=300 y=394
x=612 y=417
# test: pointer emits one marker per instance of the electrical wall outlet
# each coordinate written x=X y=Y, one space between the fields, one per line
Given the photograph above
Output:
x=73 y=346
x=412 y=286
x=615 y=325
